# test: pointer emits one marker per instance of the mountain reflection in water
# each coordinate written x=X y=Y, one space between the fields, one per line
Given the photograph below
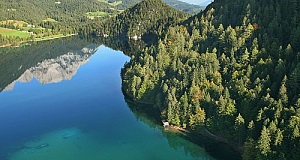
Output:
x=58 y=69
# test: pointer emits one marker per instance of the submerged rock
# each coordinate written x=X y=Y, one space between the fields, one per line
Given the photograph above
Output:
x=69 y=134
x=43 y=145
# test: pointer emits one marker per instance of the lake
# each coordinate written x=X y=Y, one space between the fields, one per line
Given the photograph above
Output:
x=62 y=100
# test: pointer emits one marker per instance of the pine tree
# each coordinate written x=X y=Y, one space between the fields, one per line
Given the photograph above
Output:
x=239 y=126
x=254 y=50
x=264 y=142
x=278 y=137
x=251 y=127
x=282 y=94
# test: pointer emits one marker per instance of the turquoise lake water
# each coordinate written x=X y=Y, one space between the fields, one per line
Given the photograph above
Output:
x=66 y=103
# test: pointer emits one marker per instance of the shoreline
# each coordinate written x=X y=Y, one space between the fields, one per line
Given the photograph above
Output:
x=191 y=133
x=50 y=38
x=206 y=133
x=38 y=40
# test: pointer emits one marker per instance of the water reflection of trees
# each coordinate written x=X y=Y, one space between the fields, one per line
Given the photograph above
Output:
x=15 y=61
x=151 y=117
x=128 y=47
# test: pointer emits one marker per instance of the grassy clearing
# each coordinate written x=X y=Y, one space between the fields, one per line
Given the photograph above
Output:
x=13 y=33
x=97 y=14
x=49 y=20
x=92 y=15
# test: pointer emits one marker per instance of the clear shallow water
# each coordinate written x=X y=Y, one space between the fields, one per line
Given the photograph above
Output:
x=81 y=116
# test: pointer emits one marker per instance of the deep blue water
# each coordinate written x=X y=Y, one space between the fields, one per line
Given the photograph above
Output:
x=58 y=114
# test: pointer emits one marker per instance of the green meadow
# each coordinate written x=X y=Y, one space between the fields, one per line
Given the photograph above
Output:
x=97 y=14
x=13 y=33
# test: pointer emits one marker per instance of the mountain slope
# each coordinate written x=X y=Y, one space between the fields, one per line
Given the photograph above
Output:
x=148 y=17
x=185 y=7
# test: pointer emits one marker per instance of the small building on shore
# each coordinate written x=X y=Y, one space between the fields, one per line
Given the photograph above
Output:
x=165 y=123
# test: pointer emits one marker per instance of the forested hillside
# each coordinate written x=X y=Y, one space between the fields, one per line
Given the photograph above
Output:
x=43 y=18
x=232 y=70
x=179 y=5
x=147 y=18
x=28 y=20
x=65 y=11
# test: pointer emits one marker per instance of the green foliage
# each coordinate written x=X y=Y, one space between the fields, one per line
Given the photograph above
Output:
x=149 y=17
x=185 y=7
x=237 y=62
x=177 y=4
x=264 y=142
x=68 y=11
x=47 y=18
x=84 y=17
x=198 y=118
